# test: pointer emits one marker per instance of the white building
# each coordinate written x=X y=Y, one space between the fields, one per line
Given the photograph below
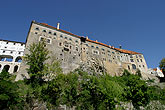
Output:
x=10 y=55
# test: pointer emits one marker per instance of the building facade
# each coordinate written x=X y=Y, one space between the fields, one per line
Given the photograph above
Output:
x=11 y=53
x=73 y=50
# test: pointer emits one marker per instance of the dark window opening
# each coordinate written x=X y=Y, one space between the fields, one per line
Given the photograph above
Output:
x=48 y=41
x=15 y=69
x=55 y=34
x=128 y=67
x=37 y=28
x=66 y=49
x=50 y=32
x=131 y=60
x=60 y=44
x=70 y=39
x=6 y=68
x=44 y=30
x=133 y=66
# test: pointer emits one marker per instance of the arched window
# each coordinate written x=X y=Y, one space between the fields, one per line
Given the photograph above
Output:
x=6 y=68
x=15 y=69
x=18 y=59
x=133 y=66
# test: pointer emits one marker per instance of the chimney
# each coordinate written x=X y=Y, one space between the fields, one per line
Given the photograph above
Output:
x=120 y=46
x=58 y=26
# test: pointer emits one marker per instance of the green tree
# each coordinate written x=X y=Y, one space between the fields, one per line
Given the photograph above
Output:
x=36 y=58
x=136 y=90
x=10 y=97
x=162 y=64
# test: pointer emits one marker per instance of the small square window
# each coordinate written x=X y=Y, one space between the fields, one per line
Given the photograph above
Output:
x=3 y=51
x=11 y=52
x=19 y=52
x=131 y=60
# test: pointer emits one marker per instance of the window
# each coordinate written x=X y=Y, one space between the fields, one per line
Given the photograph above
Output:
x=50 y=32
x=5 y=47
x=92 y=46
x=44 y=31
x=48 y=41
x=76 y=41
x=11 y=52
x=136 y=56
x=60 y=44
x=87 y=45
x=7 y=42
x=14 y=43
x=104 y=59
x=141 y=60
x=21 y=44
x=36 y=33
x=140 y=56
x=102 y=49
x=37 y=28
x=128 y=67
x=132 y=60
x=131 y=56
x=113 y=52
x=66 y=38
x=70 y=39
x=137 y=60
x=97 y=47
x=61 y=36
x=76 y=48
x=143 y=66
x=4 y=51
x=133 y=66
x=139 y=65
x=19 y=52
x=109 y=51
x=55 y=34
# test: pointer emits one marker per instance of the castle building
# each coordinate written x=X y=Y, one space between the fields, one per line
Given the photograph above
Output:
x=10 y=55
x=73 y=50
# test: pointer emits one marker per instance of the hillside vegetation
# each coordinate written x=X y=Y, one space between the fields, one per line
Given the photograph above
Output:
x=49 y=88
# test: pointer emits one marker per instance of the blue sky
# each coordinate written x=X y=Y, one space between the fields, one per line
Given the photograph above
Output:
x=137 y=25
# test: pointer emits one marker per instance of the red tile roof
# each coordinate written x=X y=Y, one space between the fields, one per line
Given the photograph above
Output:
x=120 y=50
